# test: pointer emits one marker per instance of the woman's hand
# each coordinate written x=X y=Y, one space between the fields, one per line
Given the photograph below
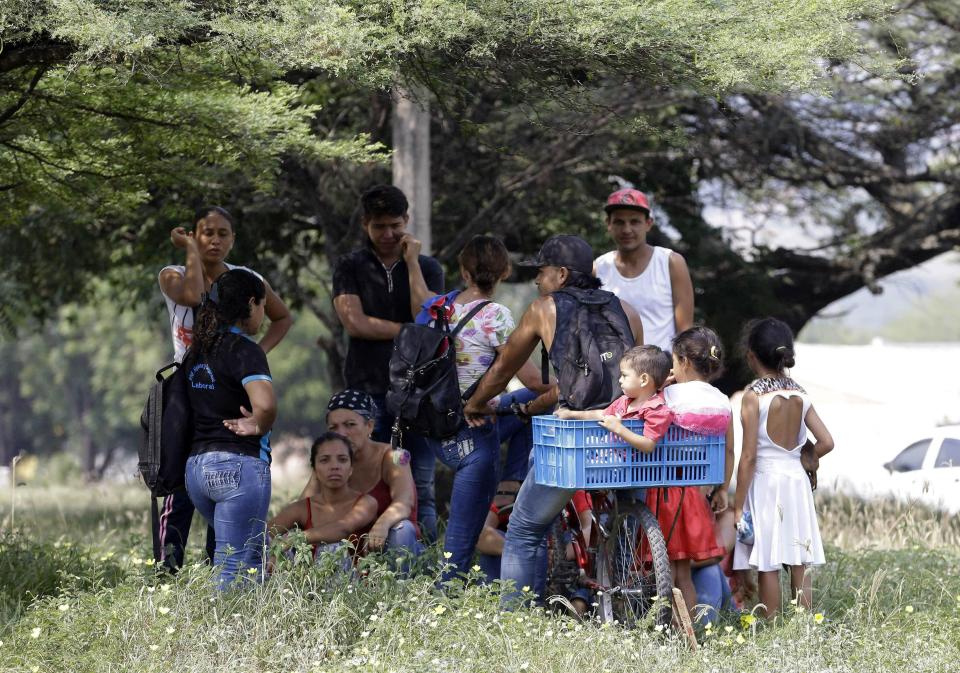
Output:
x=377 y=537
x=180 y=237
x=246 y=426
x=563 y=413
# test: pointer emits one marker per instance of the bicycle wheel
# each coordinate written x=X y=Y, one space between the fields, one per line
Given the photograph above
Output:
x=638 y=566
x=562 y=573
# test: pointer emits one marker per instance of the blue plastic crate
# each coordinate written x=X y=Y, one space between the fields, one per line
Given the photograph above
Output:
x=582 y=454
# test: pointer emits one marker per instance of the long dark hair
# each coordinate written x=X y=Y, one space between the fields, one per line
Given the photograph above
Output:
x=771 y=340
x=227 y=303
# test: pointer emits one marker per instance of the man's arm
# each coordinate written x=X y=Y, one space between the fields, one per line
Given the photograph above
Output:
x=636 y=326
x=360 y=325
x=432 y=274
x=419 y=291
x=510 y=358
x=682 y=288
x=280 y=320
x=349 y=308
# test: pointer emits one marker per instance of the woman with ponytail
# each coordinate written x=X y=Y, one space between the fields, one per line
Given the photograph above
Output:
x=206 y=247
x=233 y=404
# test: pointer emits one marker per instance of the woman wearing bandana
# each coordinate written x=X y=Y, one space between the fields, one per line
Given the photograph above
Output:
x=377 y=471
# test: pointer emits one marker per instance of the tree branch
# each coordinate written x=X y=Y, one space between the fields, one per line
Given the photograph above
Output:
x=13 y=109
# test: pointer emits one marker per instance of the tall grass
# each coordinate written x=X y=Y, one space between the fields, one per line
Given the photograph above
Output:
x=888 y=600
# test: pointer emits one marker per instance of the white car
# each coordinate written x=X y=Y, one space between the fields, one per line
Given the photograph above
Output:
x=928 y=470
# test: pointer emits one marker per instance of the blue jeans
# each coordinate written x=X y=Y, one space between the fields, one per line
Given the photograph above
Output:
x=713 y=590
x=536 y=508
x=232 y=492
x=422 y=464
x=519 y=435
x=472 y=454
x=490 y=566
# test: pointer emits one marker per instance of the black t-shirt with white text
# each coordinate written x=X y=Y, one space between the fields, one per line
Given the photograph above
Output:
x=215 y=383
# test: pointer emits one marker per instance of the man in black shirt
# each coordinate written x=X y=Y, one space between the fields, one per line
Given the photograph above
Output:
x=371 y=294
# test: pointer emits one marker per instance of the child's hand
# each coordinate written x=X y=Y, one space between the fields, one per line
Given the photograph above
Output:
x=720 y=501
x=810 y=463
x=563 y=413
x=809 y=458
x=613 y=424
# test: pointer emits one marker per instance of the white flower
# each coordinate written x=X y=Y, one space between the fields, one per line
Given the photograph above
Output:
x=154 y=648
x=63 y=607
x=35 y=633
x=170 y=630
x=163 y=610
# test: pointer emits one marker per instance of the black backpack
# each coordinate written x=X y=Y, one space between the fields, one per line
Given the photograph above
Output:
x=167 y=422
x=424 y=393
x=587 y=361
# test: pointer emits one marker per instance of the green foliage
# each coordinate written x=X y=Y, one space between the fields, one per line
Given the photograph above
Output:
x=78 y=384
x=117 y=119
x=30 y=569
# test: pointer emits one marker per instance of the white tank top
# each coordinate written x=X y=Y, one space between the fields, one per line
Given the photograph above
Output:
x=650 y=294
x=181 y=317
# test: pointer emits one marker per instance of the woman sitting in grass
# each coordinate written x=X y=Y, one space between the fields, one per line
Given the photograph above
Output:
x=383 y=474
x=336 y=512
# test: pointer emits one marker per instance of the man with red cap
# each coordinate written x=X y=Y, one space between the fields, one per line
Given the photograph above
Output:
x=653 y=280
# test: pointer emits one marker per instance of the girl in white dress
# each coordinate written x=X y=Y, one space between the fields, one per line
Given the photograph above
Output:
x=773 y=489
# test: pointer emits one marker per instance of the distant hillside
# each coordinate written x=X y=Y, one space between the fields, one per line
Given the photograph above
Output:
x=918 y=305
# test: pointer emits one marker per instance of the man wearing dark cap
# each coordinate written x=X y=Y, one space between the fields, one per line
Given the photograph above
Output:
x=565 y=279
x=371 y=295
x=653 y=280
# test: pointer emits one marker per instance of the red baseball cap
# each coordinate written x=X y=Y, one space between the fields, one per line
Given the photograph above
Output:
x=632 y=199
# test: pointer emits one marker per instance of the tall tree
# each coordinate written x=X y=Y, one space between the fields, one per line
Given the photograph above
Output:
x=115 y=118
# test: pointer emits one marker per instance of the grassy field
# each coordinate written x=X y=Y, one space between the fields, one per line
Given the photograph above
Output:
x=77 y=593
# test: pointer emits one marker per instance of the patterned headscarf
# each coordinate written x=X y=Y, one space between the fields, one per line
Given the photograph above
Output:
x=354 y=400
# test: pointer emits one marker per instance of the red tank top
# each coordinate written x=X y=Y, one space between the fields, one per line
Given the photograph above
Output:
x=381 y=493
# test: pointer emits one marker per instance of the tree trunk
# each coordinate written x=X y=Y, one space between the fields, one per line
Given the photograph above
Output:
x=411 y=159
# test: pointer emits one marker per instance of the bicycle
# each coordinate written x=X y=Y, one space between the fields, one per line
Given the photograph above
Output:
x=624 y=564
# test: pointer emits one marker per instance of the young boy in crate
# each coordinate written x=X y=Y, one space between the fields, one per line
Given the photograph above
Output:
x=643 y=370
